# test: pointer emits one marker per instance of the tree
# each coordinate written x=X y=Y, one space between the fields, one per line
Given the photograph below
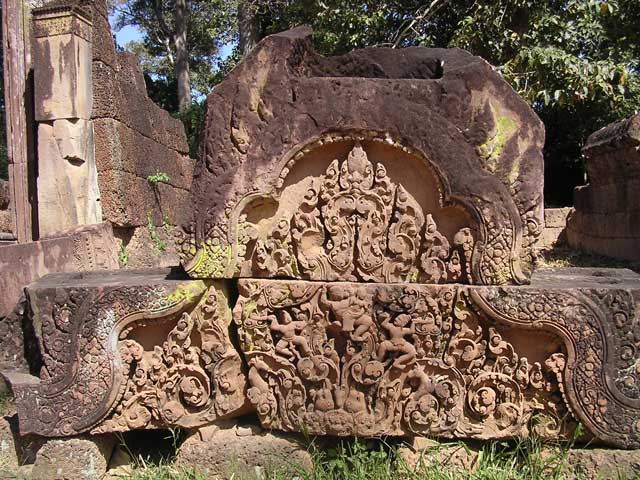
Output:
x=181 y=41
x=577 y=62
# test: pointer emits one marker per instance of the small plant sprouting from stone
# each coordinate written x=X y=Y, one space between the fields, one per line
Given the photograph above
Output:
x=158 y=177
x=157 y=242
x=166 y=226
x=123 y=256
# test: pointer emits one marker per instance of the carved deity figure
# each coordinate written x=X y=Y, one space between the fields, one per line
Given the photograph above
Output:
x=397 y=343
x=352 y=309
x=289 y=329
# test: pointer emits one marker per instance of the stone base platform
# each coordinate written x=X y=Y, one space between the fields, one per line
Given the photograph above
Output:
x=123 y=351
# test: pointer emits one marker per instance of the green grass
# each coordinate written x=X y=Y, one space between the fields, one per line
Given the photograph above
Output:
x=526 y=459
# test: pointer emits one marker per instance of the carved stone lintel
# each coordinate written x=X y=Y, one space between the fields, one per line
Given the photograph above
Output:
x=447 y=361
x=153 y=353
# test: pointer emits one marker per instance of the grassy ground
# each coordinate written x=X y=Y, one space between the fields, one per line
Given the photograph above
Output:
x=523 y=460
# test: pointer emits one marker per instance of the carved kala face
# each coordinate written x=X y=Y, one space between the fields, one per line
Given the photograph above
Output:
x=356 y=172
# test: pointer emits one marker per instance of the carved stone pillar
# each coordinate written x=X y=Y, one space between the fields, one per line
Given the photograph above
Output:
x=67 y=176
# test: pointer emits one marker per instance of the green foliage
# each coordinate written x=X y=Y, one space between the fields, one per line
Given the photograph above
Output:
x=210 y=26
x=123 y=255
x=525 y=459
x=158 y=177
x=192 y=118
x=159 y=245
x=576 y=62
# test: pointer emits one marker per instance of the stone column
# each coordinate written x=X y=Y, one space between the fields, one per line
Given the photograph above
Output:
x=68 y=193
x=17 y=92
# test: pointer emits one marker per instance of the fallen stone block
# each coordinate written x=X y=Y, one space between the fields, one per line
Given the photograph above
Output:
x=79 y=458
x=242 y=451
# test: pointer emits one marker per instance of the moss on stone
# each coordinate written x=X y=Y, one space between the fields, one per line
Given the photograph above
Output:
x=491 y=150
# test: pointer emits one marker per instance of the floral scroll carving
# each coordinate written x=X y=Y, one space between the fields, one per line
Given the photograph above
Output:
x=96 y=378
x=599 y=328
x=192 y=379
x=357 y=359
x=355 y=224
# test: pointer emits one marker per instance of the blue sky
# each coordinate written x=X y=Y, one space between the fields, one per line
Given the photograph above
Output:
x=126 y=34
x=129 y=33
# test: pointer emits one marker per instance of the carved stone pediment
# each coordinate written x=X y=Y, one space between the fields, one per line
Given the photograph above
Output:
x=351 y=221
x=442 y=115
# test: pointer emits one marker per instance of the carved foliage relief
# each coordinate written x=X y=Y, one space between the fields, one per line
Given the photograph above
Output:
x=355 y=359
x=350 y=223
x=599 y=328
x=96 y=377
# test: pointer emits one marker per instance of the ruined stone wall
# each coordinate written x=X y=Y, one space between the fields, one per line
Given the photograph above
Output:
x=606 y=218
x=134 y=138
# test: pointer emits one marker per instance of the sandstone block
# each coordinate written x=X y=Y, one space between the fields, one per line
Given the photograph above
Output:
x=422 y=452
x=163 y=202
x=607 y=223
x=602 y=464
x=556 y=217
x=245 y=452
x=63 y=38
x=83 y=249
x=290 y=133
x=80 y=458
x=68 y=194
x=142 y=349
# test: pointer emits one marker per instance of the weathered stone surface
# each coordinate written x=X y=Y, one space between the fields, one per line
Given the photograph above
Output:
x=85 y=248
x=134 y=139
x=15 y=450
x=446 y=361
x=62 y=63
x=68 y=193
x=80 y=458
x=132 y=350
x=555 y=224
x=420 y=453
x=9 y=460
x=444 y=135
x=602 y=464
x=239 y=451
x=12 y=338
x=146 y=247
x=606 y=219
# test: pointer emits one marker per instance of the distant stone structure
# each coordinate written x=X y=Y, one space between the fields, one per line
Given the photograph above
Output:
x=83 y=140
x=359 y=261
x=606 y=219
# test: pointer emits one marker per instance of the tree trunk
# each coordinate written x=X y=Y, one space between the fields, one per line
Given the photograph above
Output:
x=182 y=55
x=248 y=27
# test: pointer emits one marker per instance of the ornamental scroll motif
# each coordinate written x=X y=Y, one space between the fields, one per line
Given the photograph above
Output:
x=355 y=224
x=358 y=359
x=192 y=379
x=99 y=375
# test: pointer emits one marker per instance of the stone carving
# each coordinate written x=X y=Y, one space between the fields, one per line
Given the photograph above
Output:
x=599 y=328
x=352 y=223
x=99 y=376
x=355 y=359
x=62 y=20
x=269 y=131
